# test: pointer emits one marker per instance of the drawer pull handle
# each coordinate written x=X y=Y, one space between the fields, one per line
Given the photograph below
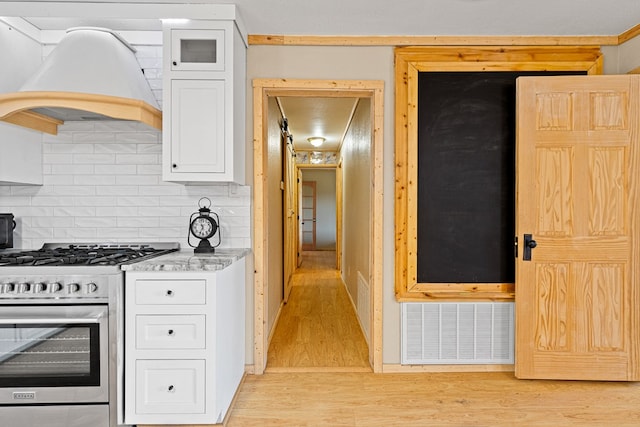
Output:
x=171 y=388
x=169 y=293
x=171 y=332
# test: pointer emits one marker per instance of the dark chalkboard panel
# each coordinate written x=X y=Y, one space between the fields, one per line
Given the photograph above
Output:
x=466 y=176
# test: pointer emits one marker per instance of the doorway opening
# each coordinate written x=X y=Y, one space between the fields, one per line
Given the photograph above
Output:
x=269 y=210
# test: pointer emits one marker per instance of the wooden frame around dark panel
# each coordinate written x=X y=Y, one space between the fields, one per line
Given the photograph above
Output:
x=409 y=61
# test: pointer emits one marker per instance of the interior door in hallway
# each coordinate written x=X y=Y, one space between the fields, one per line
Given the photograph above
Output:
x=578 y=225
x=308 y=200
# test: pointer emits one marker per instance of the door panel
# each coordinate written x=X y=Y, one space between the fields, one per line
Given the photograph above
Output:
x=308 y=215
x=576 y=300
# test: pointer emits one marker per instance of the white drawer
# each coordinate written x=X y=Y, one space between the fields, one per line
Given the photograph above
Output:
x=170 y=292
x=170 y=332
x=170 y=386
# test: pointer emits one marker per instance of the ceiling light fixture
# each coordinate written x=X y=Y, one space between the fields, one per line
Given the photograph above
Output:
x=316 y=141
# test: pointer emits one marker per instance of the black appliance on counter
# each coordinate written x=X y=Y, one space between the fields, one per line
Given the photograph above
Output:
x=61 y=325
x=7 y=224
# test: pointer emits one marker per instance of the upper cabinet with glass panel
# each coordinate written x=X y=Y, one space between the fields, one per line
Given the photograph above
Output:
x=197 y=50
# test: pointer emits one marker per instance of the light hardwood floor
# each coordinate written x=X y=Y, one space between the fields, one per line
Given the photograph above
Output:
x=437 y=399
x=317 y=328
x=293 y=393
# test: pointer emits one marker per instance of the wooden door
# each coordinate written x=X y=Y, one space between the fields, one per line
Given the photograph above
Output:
x=290 y=218
x=308 y=215
x=578 y=163
x=299 y=216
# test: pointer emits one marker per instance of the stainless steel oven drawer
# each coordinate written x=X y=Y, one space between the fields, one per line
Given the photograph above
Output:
x=56 y=416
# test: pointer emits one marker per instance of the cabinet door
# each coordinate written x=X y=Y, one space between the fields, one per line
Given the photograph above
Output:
x=197 y=126
x=197 y=50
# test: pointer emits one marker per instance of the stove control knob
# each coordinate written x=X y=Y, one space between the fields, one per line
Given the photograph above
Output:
x=24 y=288
x=39 y=287
x=72 y=288
x=7 y=288
x=54 y=287
x=91 y=288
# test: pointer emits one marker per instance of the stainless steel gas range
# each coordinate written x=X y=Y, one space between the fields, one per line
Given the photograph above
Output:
x=61 y=319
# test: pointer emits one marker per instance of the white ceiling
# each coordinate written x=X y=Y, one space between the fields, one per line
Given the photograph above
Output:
x=426 y=17
x=324 y=117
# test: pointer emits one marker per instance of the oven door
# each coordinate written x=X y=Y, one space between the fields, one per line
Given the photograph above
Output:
x=53 y=354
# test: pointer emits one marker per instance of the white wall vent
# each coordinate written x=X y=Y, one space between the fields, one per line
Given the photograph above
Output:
x=364 y=302
x=457 y=333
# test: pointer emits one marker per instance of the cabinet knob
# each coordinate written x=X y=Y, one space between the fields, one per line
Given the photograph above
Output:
x=169 y=293
x=170 y=332
x=174 y=165
x=170 y=388
x=175 y=63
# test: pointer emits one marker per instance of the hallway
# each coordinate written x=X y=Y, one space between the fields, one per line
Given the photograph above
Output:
x=318 y=329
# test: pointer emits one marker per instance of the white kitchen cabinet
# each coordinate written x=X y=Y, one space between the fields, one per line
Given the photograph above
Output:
x=184 y=344
x=204 y=79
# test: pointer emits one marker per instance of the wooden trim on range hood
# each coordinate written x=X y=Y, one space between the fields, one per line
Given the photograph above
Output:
x=16 y=108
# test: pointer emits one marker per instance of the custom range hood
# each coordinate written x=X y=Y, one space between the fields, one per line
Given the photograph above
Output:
x=92 y=74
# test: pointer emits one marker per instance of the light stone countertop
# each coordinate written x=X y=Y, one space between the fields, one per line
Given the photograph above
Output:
x=186 y=260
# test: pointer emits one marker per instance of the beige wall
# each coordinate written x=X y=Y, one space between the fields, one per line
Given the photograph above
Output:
x=629 y=55
x=356 y=190
x=375 y=63
x=345 y=63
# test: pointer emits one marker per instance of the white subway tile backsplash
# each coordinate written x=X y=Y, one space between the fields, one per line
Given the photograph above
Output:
x=149 y=169
x=51 y=221
x=94 y=136
x=74 y=190
x=95 y=221
x=168 y=232
x=117 y=190
x=37 y=232
x=66 y=148
x=138 y=201
x=72 y=169
x=119 y=211
x=115 y=169
x=149 y=148
x=80 y=159
x=139 y=138
x=98 y=201
x=138 y=159
x=75 y=211
x=157 y=211
x=146 y=180
x=66 y=234
x=141 y=222
x=52 y=201
x=57 y=180
x=94 y=179
x=114 y=148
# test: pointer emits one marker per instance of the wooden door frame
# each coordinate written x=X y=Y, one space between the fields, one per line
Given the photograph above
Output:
x=262 y=89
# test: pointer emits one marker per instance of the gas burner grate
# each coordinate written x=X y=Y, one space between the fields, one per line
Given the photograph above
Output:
x=84 y=254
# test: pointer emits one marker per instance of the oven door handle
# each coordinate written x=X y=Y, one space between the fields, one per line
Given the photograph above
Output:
x=49 y=320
